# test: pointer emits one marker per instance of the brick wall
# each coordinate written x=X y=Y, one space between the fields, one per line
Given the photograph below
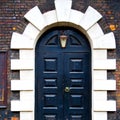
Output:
x=11 y=19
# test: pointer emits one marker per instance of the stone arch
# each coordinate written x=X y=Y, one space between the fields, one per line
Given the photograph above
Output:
x=85 y=22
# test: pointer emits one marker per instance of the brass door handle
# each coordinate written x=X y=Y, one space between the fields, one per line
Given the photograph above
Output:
x=67 y=89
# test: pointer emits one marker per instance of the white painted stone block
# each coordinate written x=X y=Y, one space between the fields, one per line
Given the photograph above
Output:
x=26 y=116
x=109 y=64
x=22 y=64
x=19 y=41
x=100 y=116
x=99 y=55
x=104 y=85
x=105 y=42
x=90 y=18
x=99 y=75
x=27 y=95
x=31 y=31
x=27 y=75
x=63 y=8
x=17 y=85
x=105 y=105
x=99 y=96
x=27 y=55
x=95 y=31
x=35 y=17
x=75 y=16
x=50 y=17
x=17 y=105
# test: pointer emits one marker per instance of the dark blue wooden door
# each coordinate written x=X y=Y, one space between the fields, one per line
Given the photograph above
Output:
x=63 y=77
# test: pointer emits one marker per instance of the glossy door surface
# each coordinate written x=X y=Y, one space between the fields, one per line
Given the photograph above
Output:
x=63 y=76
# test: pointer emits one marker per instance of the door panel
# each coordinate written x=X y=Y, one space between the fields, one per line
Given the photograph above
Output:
x=49 y=87
x=76 y=79
x=63 y=77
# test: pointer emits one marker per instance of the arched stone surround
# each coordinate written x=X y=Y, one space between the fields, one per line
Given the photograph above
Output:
x=63 y=15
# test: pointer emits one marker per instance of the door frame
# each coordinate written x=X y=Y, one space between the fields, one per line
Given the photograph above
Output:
x=87 y=23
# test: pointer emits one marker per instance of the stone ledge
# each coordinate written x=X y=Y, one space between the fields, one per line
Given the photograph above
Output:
x=22 y=64
x=108 y=64
x=104 y=106
x=104 y=85
x=17 y=105
x=17 y=85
